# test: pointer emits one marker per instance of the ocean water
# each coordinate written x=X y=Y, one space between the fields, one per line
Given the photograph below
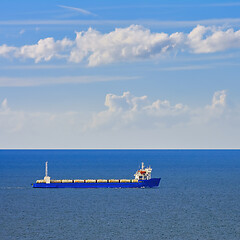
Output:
x=198 y=197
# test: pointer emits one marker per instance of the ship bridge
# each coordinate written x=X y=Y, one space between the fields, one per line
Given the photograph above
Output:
x=143 y=173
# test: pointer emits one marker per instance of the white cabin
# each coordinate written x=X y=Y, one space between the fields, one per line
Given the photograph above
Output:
x=143 y=173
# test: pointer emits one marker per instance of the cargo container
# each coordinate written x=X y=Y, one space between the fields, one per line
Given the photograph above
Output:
x=125 y=180
x=134 y=180
x=55 y=181
x=67 y=181
x=79 y=181
x=113 y=180
x=102 y=180
x=90 y=181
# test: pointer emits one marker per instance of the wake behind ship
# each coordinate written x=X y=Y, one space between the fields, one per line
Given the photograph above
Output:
x=142 y=179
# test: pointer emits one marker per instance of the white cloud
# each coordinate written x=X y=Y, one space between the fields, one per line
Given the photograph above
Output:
x=9 y=121
x=123 y=112
x=18 y=121
x=123 y=44
x=127 y=110
x=218 y=105
x=209 y=39
x=83 y=11
x=163 y=108
x=128 y=121
x=6 y=51
x=126 y=102
x=219 y=99
x=22 y=31
x=45 y=49
x=211 y=112
x=126 y=44
x=4 y=105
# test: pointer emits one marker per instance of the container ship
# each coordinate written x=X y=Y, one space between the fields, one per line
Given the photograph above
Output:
x=142 y=179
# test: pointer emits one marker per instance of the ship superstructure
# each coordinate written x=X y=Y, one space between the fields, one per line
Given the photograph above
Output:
x=143 y=173
x=142 y=179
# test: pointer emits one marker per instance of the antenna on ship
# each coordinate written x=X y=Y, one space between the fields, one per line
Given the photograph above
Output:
x=46 y=178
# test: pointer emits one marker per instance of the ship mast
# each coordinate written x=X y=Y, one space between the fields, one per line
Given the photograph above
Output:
x=46 y=178
x=46 y=169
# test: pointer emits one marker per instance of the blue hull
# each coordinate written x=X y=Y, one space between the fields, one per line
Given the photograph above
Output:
x=154 y=182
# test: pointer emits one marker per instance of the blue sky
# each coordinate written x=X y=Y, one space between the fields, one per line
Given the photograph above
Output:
x=104 y=74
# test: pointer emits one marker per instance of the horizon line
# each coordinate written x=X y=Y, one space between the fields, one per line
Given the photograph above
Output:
x=119 y=148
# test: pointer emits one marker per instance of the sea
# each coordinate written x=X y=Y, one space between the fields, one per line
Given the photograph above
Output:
x=198 y=197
